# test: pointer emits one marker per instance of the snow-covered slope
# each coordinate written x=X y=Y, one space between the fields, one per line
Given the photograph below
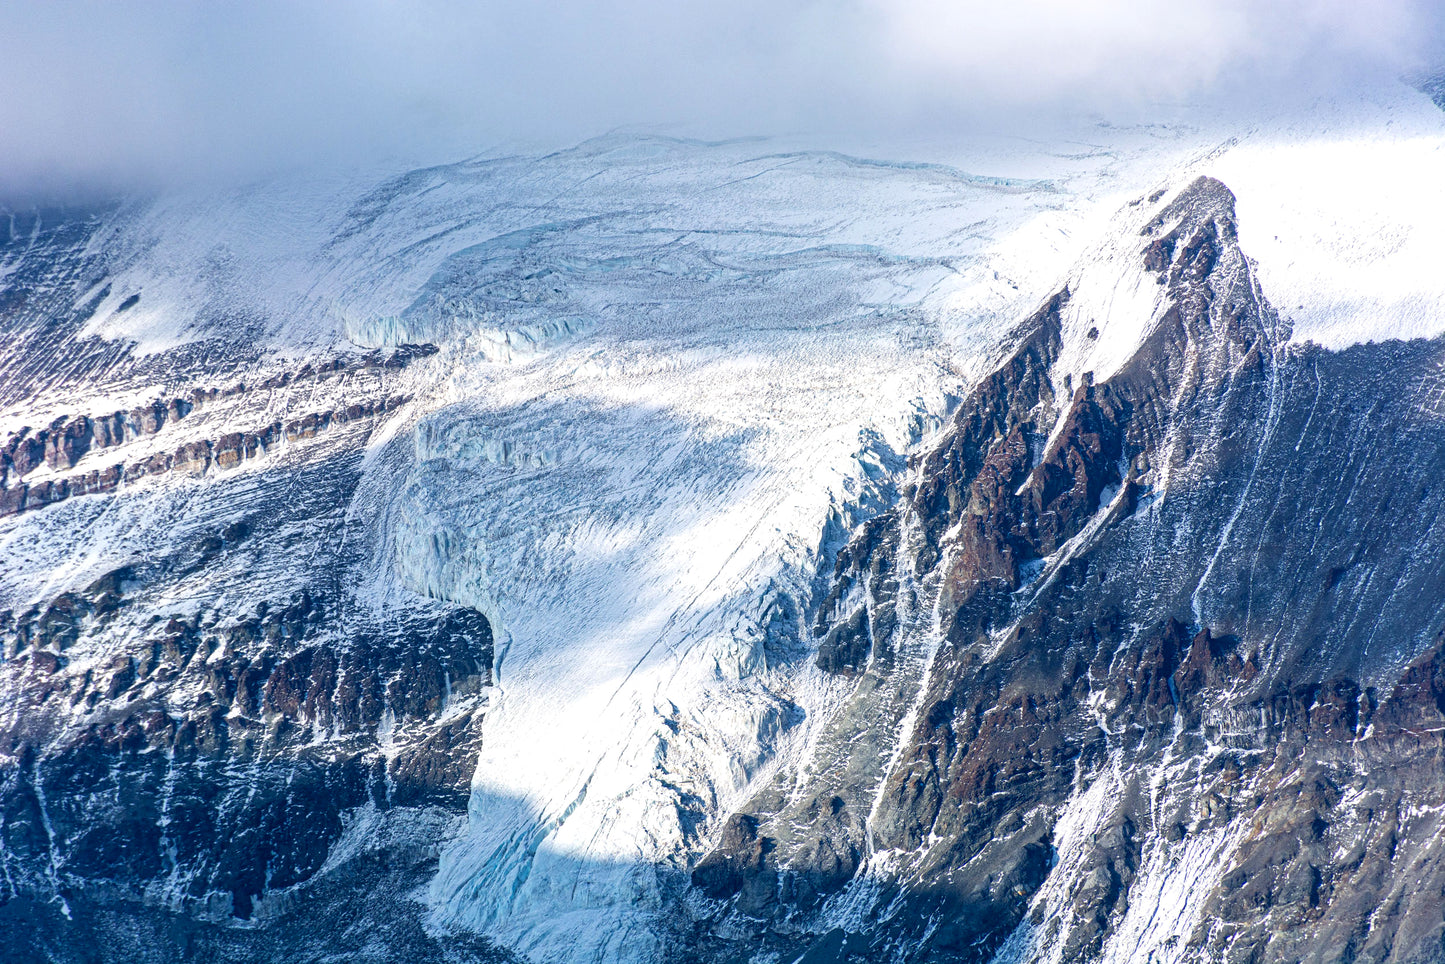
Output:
x=1342 y=208
x=672 y=378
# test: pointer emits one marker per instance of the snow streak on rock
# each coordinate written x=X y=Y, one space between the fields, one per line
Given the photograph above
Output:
x=663 y=550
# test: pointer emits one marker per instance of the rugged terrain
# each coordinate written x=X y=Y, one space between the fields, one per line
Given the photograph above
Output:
x=674 y=551
x=1156 y=712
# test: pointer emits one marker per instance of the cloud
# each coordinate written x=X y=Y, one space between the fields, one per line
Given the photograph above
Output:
x=145 y=93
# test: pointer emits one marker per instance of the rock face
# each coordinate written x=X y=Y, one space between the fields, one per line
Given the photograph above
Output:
x=64 y=443
x=173 y=779
x=1181 y=696
x=1138 y=656
x=214 y=751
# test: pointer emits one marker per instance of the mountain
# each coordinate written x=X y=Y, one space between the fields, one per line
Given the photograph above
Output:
x=668 y=551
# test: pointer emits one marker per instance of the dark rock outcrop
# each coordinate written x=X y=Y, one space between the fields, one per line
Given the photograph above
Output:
x=178 y=783
x=1170 y=626
x=191 y=458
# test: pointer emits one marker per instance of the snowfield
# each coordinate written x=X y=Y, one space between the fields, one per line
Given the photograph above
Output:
x=673 y=375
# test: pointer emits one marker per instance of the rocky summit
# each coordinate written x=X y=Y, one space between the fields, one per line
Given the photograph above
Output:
x=674 y=551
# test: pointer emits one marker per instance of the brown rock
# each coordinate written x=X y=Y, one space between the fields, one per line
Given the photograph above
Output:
x=193 y=457
x=230 y=450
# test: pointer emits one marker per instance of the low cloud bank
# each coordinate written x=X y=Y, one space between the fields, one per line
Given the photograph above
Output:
x=106 y=96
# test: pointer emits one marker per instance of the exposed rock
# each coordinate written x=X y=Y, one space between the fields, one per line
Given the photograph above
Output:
x=1140 y=586
x=64 y=448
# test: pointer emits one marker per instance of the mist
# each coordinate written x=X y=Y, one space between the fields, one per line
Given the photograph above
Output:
x=98 y=96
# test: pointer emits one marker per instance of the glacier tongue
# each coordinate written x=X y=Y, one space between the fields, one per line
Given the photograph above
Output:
x=672 y=378
x=641 y=506
x=634 y=504
x=638 y=533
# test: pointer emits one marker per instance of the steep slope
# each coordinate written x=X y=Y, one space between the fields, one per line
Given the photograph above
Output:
x=1179 y=703
x=198 y=717
x=665 y=550
x=319 y=648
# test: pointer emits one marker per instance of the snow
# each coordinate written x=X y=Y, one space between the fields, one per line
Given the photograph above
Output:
x=633 y=658
x=668 y=369
x=628 y=502
x=1344 y=211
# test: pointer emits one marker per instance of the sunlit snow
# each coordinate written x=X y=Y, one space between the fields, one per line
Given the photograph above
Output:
x=669 y=369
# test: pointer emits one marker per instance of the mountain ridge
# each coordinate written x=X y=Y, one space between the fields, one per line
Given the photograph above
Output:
x=700 y=594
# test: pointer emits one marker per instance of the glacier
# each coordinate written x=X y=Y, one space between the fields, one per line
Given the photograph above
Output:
x=672 y=378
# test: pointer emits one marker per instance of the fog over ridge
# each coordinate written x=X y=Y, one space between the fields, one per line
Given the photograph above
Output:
x=104 y=95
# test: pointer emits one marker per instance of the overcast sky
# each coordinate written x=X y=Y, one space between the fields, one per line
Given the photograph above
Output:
x=107 y=94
